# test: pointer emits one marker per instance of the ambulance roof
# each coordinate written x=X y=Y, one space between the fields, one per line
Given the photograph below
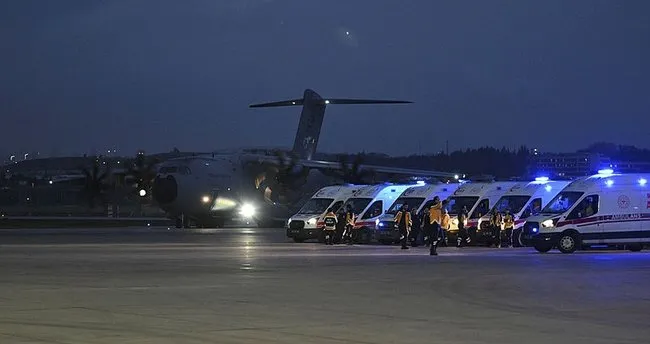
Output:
x=480 y=189
x=372 y=191
x=529 y=189
x=429 y=189
x=336 y=190
x=597 y=181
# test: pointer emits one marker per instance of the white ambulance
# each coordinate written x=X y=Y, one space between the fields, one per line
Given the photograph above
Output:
x=522 y=201
x=477 y=198
x=604 y=209
x=370 y=202
x=418 y=197
x=304 y=225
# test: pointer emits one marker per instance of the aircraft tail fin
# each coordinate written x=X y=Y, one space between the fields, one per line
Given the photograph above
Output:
x=311 y=118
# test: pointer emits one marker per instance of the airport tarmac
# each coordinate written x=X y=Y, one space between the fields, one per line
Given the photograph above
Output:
x=238 y=285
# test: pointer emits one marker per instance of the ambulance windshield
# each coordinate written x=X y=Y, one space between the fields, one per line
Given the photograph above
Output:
x=316 y=206
x=562 y=202
x=413 y=202
x=457 y=203
x=358 y=204
x=513 y=204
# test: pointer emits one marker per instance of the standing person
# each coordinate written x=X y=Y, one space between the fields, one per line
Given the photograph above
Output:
x=435 y=217
x=340 y=226
x=403 y=221
x=495 y=223
x=349 y=224
x=463 y=235
x=508 y=227
x=445 y=222
x=330 y=226
x=443 y=229
x=415 y=228
x=426 y=227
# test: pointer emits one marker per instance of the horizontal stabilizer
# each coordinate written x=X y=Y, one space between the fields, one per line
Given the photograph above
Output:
x=280 y=103
x=341 y=101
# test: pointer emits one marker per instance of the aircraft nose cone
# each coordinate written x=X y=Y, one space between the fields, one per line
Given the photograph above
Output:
x=165 y=190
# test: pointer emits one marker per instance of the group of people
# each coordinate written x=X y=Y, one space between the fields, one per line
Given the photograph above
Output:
x=501 y=223
x=433 y=223
x=341 y=223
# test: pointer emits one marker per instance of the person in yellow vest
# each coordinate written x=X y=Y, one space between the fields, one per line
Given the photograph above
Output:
x=445 y=222
x=349 y=224
x=495 y=223
x=435 y=218
x=508 y=227
x=404 y=223
x=330 y=226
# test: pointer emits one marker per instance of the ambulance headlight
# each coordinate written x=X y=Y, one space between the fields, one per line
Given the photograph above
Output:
x=312 y=221
x=247 y=210
x=377 y=222
x=548 y=223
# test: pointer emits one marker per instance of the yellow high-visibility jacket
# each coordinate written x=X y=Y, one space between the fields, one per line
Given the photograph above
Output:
x=508 y=222
x=435 y=213
x=408 y=221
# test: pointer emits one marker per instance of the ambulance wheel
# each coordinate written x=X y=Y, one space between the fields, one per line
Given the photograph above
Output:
x=298 y=240
x=568 y=242
x=635 y=247
x=543 y=247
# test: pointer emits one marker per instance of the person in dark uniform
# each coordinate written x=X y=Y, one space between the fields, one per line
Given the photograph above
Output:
x=330 y=226
x=403 y=222
x=495 y=223
x=340 y=226
x=349 y=224
x=463 y=235
x=426 y=227
x=415 y=228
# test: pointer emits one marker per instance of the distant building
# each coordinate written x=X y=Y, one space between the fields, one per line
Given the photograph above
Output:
x=631 y=166
x=566 y=164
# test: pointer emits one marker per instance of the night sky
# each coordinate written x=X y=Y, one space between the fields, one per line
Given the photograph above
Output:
x=82 y=75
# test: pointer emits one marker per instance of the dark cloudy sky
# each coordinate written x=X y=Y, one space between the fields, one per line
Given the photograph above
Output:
x=77 y=75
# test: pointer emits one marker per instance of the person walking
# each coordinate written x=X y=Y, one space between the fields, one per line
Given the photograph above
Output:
x=403 y=221
x=435 y=217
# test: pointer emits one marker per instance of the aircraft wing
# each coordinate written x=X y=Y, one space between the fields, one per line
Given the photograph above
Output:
x=334 y=166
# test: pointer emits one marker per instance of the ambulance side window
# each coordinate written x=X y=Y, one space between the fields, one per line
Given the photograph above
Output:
x=587 y=207
x=374 y=210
